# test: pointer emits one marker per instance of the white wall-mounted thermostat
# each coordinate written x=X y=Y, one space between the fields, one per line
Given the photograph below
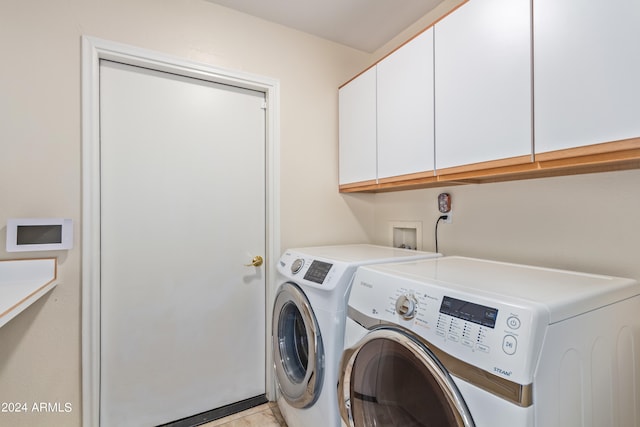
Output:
x=39 y=234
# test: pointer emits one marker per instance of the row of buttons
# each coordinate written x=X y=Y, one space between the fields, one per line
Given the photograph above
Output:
x=465 y=341
x=509 y=342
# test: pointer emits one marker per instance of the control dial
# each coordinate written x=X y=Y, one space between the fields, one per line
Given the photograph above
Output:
x=406 y=306
x=297 y=265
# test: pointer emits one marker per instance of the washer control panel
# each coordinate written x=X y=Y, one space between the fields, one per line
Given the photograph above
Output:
x=499 y=337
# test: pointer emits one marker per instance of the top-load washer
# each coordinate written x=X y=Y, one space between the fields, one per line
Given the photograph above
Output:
x=465 y=342
x=308 y=325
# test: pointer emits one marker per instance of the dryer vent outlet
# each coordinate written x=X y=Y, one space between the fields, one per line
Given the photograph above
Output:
x=405 y=234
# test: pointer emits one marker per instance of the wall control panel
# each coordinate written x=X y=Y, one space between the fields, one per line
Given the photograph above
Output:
x=39 y=234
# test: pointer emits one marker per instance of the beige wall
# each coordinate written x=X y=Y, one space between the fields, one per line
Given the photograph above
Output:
x=40 y=160
x=584 y=222
x=426 y=21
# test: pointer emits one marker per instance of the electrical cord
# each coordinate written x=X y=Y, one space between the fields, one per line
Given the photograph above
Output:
x=438 y=222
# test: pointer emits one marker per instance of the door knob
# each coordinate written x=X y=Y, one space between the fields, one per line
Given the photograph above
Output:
x=256 y=261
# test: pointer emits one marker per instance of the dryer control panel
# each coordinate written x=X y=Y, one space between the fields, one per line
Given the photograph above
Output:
x=501 y=338
x=312 y=272
x=317 y=271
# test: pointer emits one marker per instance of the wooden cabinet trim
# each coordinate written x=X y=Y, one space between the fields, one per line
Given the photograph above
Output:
x=606 y=157
x=408 y=177
x=590 y=150
x=358 y=186
x=490 y=165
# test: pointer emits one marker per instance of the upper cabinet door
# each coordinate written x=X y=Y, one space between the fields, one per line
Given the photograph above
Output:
x=483 y=83
x=587 y=72
x=405 y=109
x=357 y=124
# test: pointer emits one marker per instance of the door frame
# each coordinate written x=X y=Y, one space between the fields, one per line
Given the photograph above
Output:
x=94 y=50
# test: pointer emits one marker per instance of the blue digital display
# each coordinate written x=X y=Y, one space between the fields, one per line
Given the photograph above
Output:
x=476 y=313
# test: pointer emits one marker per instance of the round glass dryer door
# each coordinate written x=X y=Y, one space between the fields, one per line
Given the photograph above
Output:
x=392 y=379
x=297 y=347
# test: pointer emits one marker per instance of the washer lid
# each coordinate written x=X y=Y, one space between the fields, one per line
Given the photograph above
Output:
x=323 y=269
x=362 y=254
x=562 y=293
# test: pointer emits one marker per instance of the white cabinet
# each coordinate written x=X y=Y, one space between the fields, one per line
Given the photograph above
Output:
x=483 y=83
x=497 y=99
x=587 y=72
x=357 y=124
x=386 y=116
x=405 y=109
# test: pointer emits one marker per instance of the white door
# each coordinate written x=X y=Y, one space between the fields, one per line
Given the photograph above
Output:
x=182 y=210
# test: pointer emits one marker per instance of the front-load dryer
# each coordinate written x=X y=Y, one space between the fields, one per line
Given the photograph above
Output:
x=465 y=342
x=308 y=325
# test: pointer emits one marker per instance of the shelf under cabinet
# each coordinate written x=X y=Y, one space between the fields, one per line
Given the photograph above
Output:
x=23 y=282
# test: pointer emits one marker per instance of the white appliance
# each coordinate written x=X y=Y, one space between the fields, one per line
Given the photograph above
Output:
x=308 y=325
x=466 y=342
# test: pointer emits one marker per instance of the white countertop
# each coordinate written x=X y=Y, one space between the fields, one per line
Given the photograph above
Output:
x=22 y=282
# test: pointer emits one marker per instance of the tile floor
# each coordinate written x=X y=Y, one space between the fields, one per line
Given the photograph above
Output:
x=266 y=415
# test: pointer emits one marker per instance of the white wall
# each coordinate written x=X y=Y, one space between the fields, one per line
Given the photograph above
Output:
x=40 y=157
x=587 y=223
